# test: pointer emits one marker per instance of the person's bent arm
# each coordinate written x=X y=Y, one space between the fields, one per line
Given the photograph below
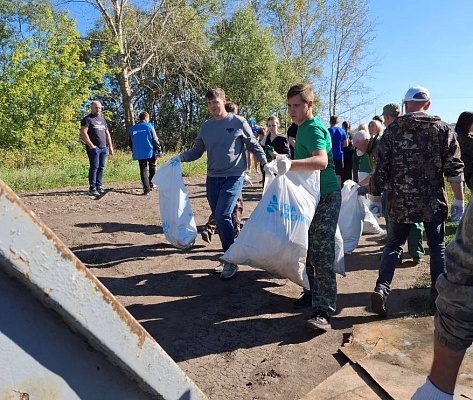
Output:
x=85 y=137
x=318 y=161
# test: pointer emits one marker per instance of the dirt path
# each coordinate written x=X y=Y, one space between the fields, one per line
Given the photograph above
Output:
x=237 y=339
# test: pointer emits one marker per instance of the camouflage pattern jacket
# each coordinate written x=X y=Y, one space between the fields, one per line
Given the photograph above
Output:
x=466 y=147
x=414 y=154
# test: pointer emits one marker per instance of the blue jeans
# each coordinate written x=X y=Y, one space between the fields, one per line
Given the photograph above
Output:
x=97 y=157
x=222 y=195
x=397 y=235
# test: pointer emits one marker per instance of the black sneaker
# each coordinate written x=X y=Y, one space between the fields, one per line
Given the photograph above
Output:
x=304 y=301
x=94 y=192
x=378 y=302
x=100 y=190
x=320 y=320
x=206 y=236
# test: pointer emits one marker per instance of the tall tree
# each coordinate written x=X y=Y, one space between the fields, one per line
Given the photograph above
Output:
x=349 y=60
x=299 y=27
x=153 y=39
x=43 y=79
x=246 y=64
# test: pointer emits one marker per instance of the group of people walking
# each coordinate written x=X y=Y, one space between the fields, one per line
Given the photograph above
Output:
x=405 y=160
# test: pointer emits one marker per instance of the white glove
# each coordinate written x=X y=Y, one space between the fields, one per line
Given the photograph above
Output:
x=283 y=164
x=175 y=160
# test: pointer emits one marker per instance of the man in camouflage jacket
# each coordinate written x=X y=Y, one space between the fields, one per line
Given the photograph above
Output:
x=415 y=153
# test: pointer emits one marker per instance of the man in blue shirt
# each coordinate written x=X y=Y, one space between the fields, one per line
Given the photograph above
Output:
x=145 y=147
x=339 y=141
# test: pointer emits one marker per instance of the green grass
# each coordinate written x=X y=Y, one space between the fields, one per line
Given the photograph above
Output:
x=451 y=227
x=73 y=172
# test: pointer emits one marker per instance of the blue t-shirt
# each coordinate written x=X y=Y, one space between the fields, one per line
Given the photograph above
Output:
x=338 y=135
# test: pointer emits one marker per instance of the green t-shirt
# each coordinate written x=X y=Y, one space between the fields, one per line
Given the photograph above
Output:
x=363 y=162
x=313 y=135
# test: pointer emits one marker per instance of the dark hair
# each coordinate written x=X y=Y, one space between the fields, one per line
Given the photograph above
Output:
x=213 y=93
x=378 y=118
x=230 y=106
x=464 y=123
x=143 y=115
x=347 y=124
x=304 y=90
x=334 y=119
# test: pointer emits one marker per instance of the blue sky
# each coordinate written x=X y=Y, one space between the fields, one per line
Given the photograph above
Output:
x=427 y=43
x=418 y=42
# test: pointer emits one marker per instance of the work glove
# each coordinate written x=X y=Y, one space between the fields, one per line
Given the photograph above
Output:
x=362 y=191
x=283 y=164
x=175 y=160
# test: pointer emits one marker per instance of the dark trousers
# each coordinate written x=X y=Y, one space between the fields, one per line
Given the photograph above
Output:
x=97 y=157
x=145 y=177
x=397 y=236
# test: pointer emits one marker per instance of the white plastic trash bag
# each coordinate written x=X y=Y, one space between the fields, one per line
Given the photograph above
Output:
x=247 y=180
x=271 y=171
x=350 y=219
x=370 y=223
x=339 y=264
x=275 y=236
x=174 y=206
x=375 y=205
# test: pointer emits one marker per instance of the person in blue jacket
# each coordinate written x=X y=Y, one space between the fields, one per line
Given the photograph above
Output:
x=145 y=147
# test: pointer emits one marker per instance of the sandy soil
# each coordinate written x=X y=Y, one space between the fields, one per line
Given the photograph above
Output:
x=237 y=339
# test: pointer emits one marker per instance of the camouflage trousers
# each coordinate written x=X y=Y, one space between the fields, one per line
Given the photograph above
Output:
x=211 y=225
x=321 y=252
x=454 y=318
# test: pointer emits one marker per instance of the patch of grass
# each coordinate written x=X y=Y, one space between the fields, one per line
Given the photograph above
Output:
x=74 y=171
x=422 y=282
x=451 y=227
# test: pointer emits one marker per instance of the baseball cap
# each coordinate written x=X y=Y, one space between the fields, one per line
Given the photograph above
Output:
x=417 y=93
x=391 y=109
